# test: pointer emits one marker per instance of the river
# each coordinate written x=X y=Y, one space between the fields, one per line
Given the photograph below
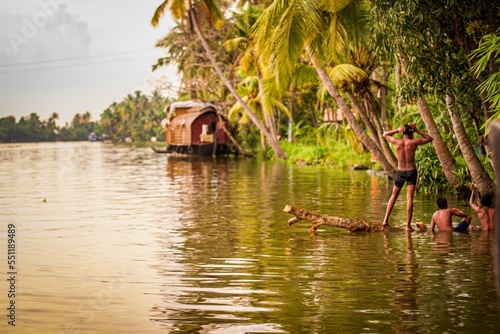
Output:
x=110 y=239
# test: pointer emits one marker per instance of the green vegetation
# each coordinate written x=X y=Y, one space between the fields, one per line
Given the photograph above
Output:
x=32 y=129
x=336 y=155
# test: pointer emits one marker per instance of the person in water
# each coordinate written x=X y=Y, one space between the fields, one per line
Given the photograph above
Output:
x=407 y=169
x=443 y=218
x=485 y=211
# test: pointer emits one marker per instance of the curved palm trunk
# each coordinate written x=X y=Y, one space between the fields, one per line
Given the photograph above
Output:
x=367 y=141
x=365 y=118
x=272 y=140
x=370 y=106
x=479 y=175
x=376 y=136
x=487 y=114
x=383 y=98
x=268 y=115
x=442 y=151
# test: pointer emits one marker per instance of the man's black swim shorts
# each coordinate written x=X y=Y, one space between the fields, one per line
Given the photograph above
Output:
x=409 y=176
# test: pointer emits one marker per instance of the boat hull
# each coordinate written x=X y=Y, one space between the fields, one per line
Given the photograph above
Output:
x=203 y=149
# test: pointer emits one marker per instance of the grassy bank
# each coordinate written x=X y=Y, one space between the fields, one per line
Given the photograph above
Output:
x=336 y=154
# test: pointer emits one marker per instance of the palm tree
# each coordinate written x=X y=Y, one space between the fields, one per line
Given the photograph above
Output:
x=263 y=97
x=483 y=181
x=194 y=10
x=198 y=80
x=439 y=48
x=285 y=31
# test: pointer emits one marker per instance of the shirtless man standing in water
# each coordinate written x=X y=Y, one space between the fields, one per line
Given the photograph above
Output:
x=407 y=169
x=485 y=212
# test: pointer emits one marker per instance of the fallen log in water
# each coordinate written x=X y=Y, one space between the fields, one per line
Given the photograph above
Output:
x=352 y=225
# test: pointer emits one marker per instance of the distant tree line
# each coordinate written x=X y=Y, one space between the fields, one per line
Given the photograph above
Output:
x=137 y=117
x=33 y=129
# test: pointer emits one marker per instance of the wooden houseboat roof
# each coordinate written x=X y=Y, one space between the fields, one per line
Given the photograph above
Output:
x=190 y=115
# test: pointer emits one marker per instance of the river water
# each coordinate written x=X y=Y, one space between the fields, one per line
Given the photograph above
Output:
x=110 y=239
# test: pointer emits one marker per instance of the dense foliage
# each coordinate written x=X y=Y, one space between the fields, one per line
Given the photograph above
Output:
x=32 y=129
x=137 y=117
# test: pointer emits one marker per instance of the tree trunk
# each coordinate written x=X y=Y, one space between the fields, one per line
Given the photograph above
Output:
x=383 y=98
x=397 y=71
x=268 y=114
x=376 y=136
x=495 y=137
x=391 y=171
x=443 y=153
x=371 y=106
x=479 y=175
x=352 y=225
x=364 y=116
x=233 y=140
x=272 y=140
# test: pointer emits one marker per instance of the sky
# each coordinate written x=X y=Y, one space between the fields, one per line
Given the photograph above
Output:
x=73 y=56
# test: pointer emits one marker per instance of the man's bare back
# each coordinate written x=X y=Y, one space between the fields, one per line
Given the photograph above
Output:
x=443 y=219
x=407 y=146
x=485 y=213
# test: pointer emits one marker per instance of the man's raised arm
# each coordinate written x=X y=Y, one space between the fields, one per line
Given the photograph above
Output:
x=389 y=134
x=426 y=138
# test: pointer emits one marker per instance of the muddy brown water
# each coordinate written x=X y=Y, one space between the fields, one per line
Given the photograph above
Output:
x=117 y=240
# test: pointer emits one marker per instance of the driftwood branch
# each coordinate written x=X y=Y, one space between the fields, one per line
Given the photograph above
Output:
x=352 y=225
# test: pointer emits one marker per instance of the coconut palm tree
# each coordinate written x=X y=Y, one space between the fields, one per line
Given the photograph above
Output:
x=266 y=99
x=194 y=11
x=439 y=48
x=483 y=181
x=288 y=31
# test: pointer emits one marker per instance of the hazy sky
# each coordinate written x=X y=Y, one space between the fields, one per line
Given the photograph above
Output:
x=73 y=56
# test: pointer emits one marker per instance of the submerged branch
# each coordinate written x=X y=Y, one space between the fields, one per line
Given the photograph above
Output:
x=352 y=225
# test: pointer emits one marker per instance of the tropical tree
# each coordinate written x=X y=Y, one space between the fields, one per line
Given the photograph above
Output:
x=434 y=50
x=488 y=56
x=198 y=81
x=290 y=30
x=261 y=98
x=194 y=11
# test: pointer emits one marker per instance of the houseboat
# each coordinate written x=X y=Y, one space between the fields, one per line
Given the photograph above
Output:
x=196 y=128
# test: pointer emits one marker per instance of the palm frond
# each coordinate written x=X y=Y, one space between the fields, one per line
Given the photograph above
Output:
x=304 y=75
x=159 y=13
x=288 y=24
x=346 y=73
x=212 y=13
x=488 y=48
x=277 y=105
x=178 y=9
x=234 y=43
x=334 y=5
x=248 y=63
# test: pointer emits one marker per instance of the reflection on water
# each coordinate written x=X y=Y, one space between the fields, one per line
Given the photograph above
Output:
x=113 y=240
